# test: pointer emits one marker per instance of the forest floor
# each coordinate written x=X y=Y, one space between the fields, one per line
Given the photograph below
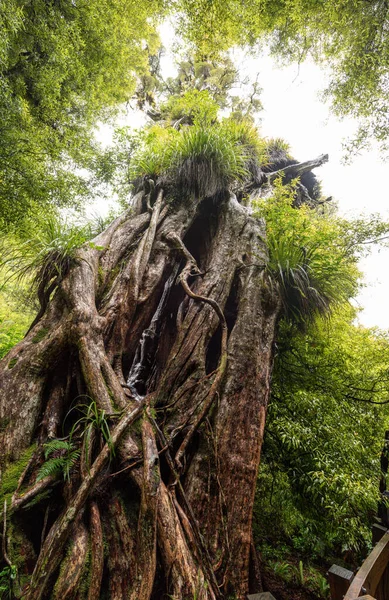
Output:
x=294 y=577
x=283 y=590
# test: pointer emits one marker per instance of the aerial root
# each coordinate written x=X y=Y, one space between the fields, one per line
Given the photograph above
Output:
x=176 y=556
x=18 y=501
x=90 y=354
x=73 y=564
x=146 y=544
x=51 y=552
x=132 y=276
x=53 y=414
x=185 y=517
x=121 y=557
x=191 y=268
x=5 y=539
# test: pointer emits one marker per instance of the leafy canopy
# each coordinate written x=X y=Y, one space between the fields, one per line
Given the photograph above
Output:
x=350 y=38
x=63 y=66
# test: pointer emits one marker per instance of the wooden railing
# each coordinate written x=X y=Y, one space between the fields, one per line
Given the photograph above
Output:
x=371 y=581
x=373 y=576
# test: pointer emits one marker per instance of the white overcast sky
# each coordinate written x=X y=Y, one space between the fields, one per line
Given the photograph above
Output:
x=294 y=112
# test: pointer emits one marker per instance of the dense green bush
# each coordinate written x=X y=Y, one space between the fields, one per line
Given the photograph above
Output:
x=14 y=318
x=309 y=255
x=318 y=483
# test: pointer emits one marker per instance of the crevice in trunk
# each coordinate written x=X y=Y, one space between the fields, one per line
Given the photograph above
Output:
x=32 y=524
x=139 y=374
x=232 y=304
x=198 y=238
x=230 y=313
x=161 y=581
x=167 y=335
x=58 y=390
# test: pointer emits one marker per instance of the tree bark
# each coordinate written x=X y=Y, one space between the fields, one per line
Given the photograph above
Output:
x=166 y=322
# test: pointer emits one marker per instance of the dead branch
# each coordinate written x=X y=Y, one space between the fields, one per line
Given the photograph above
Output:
x=299 y=169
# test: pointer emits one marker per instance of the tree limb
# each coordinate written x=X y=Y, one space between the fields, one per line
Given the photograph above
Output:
x=299 y=169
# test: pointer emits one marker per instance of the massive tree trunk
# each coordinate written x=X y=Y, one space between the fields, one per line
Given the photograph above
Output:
x=165 y=324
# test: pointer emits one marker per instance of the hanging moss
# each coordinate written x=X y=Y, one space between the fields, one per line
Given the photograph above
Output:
x=12 y=474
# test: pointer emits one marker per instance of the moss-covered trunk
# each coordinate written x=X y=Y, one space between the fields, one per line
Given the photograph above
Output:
x=166 y=322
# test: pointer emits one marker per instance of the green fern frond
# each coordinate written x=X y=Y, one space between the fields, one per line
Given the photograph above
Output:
x=56 y=445
x=53 y=466
x=72 y=458
x=58 y=465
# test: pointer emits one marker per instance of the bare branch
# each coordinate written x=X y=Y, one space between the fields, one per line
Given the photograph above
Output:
x=299 y=169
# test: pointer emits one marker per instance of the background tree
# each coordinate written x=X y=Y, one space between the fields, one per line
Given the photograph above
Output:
x=350 y=39
x=320 y=472
x=63 y=67
x=329 y=387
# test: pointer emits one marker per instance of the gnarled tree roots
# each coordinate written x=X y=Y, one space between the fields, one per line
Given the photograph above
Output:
x=165 y=325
